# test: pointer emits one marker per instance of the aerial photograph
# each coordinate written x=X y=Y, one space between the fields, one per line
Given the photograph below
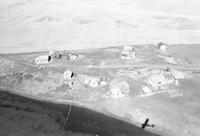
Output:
x=99 y=68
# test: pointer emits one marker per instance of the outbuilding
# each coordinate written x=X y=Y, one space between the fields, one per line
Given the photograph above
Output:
x=162 y=46
x=68 y=75
x=43 y=59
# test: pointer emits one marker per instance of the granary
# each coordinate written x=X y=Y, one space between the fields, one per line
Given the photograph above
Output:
x=68 y=75
x=128 y=53
x=43 y=59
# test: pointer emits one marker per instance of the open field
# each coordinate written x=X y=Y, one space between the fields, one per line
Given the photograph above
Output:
x=40 y=25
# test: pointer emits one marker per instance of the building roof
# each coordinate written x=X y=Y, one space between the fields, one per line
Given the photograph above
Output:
x=128 y=48
x=160 y=79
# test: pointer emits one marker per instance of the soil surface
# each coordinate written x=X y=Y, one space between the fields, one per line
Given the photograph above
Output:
x=20 y=116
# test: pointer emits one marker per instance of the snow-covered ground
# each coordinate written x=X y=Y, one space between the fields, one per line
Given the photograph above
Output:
x=34 y=25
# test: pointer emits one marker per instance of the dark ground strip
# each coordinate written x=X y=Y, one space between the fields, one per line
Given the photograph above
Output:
x=23 y=116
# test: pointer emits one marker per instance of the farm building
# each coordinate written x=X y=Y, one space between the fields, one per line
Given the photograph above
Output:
x=68 y=75
x=73 y=56
x=63 y=55
x=128 y=53
x=56 y=54
x=178 y=74
x=160 y=79
x=162 y=46
x=91 y=81
x=43 y=59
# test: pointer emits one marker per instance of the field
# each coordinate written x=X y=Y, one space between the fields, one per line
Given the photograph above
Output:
x=41 y=25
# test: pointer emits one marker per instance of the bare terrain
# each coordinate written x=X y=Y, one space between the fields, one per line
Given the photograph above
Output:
x=39 y=25
x=21 y=116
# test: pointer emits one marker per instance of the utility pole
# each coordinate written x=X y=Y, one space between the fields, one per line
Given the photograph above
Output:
x=66 y=119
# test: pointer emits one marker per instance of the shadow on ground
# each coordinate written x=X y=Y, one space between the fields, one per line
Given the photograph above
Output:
x=20 y=116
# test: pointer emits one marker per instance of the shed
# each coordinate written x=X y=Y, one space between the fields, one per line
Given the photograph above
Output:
x=68 y=75
x=43 y=59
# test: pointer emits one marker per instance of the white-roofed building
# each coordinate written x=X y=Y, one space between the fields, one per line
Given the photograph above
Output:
x=73 y=56
x=68 y=75
x=160 y=79
x=43 y=59
x=178 y=74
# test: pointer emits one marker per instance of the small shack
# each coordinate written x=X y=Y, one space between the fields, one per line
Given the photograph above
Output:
x=43 y=59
